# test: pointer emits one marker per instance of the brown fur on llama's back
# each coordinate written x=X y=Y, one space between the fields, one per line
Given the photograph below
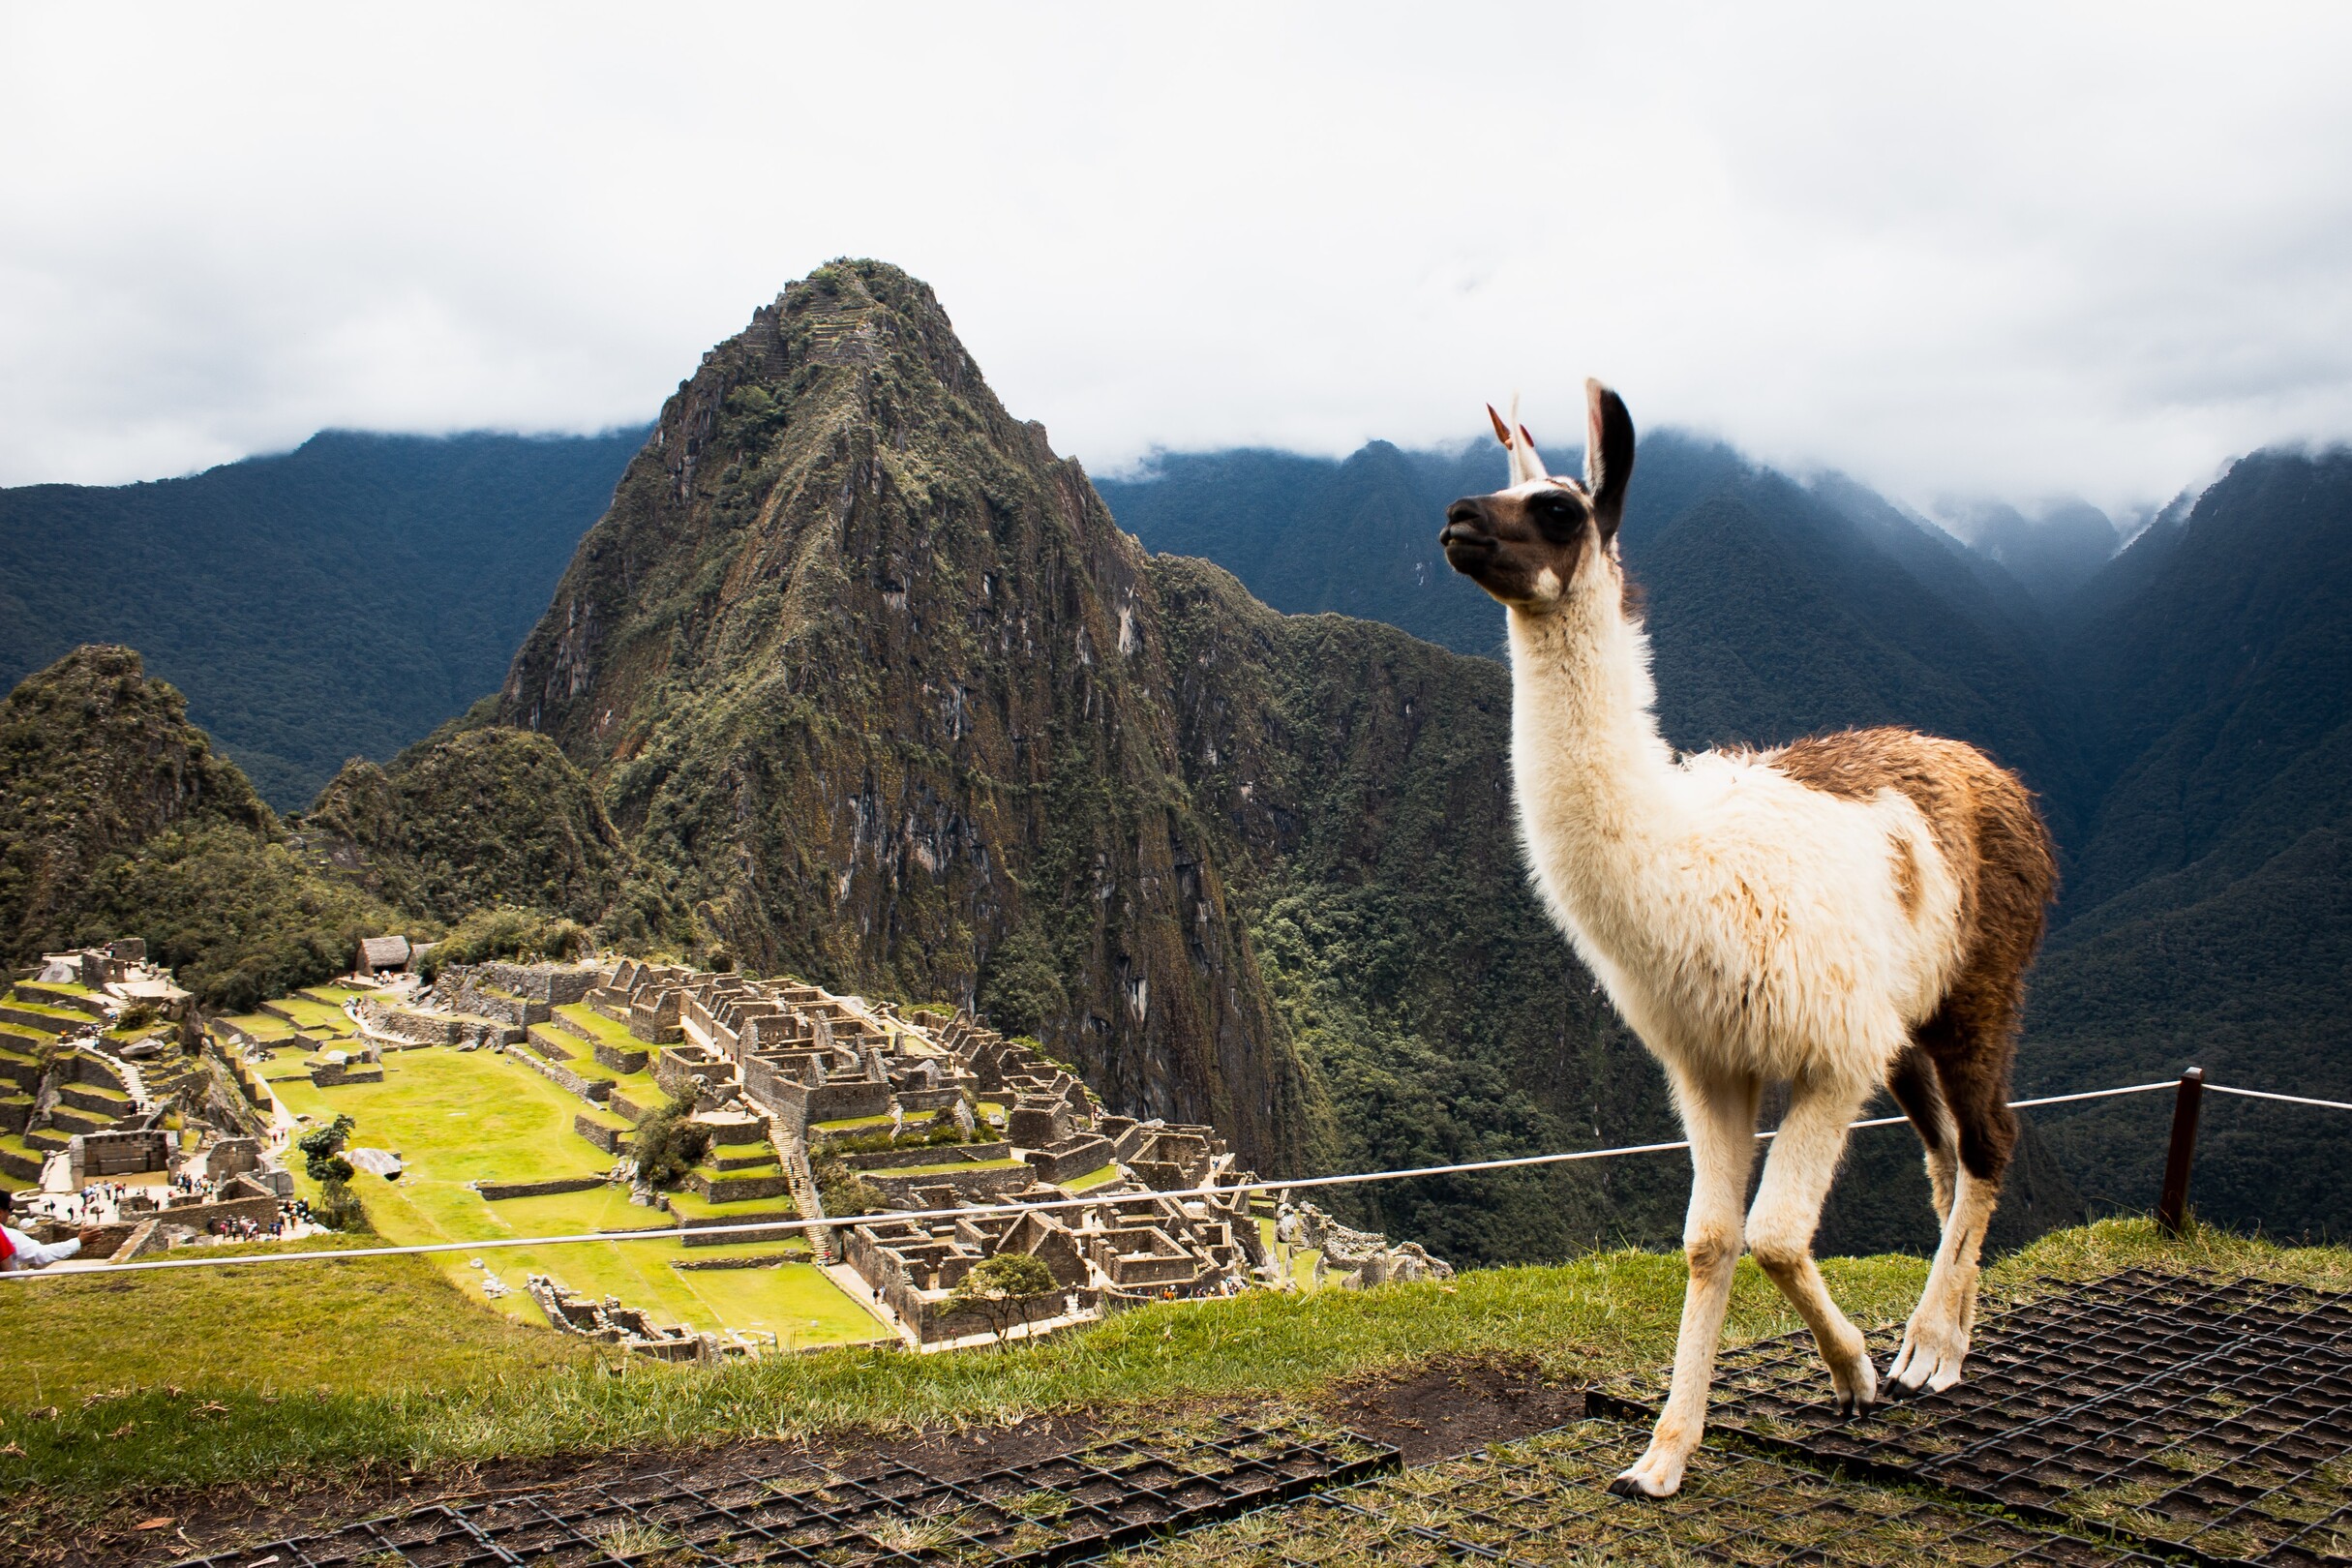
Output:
x=1983 y=820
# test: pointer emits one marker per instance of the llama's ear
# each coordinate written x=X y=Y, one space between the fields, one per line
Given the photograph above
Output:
x=1609 y=455
x=1502 y=431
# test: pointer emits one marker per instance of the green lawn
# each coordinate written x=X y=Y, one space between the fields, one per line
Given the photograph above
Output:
x=600 y=1027
x=851 y=1125
x=68 y=987
x=1093 y=1179
x=261 y=1025
x=311 y=1015
x=460 y=1116
x=690 y=1207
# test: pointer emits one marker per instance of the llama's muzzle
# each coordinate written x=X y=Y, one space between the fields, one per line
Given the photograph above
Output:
x=1467 y=537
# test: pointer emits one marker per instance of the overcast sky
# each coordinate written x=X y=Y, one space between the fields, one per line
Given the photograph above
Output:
x=2022 y=250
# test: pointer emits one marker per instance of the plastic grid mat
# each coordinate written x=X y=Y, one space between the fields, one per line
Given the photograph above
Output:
x=1544 y=1500
x=1052 y=1511
x=2184 y=1412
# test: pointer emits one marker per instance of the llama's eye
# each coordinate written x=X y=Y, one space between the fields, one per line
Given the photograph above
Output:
x=1557 y=516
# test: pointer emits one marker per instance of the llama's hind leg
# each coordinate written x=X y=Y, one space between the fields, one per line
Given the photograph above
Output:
x=1936 y=1340
x=1788 y=1210
x=1913 y=1083
x=1720 y=1118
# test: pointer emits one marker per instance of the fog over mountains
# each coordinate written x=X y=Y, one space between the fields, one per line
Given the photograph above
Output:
x=957 y=674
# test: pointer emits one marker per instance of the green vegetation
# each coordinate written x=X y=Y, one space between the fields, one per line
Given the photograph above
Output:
x=459 y=1394
x=484 y=817
x=1000 y=1290
x=842 y=1190
x=506 y=931
x=598 y=1027
x=669 y=1144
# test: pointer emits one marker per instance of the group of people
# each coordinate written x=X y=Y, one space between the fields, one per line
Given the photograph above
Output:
x=292 y=1219
x=186 y=1189
x=96 y=1202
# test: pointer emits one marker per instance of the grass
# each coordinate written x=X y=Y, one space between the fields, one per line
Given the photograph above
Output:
x=68 y=987
x=598 y=1027
x=261 y=1025
x=461 y=1116
x=311 y=1015
x=1599 y=1317
x=1091 y=1180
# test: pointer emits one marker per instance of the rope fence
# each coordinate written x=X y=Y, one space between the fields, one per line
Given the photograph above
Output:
x=2171 y=1207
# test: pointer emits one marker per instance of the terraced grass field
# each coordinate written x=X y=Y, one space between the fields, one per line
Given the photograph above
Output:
x=599 y=1027
x=312 y=1014
x=456 y=1117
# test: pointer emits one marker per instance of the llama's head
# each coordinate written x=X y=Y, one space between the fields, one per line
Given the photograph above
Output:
x=1529 y=544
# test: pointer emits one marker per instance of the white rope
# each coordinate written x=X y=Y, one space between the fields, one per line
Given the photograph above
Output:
x=2290 y=1099
x=774 y=1227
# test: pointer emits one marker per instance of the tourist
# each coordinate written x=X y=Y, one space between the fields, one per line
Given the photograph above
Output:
x=18 y=1251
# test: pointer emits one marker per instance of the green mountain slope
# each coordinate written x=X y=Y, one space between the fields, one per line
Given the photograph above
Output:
x=339 y=601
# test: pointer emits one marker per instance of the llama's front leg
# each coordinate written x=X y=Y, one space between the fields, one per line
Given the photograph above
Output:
x=1721 y=1121
x=1787 y=1211
x=1935 y=1339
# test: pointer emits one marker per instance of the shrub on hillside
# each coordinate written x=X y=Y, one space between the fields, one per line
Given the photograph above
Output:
x=841 y=1190
x=238 y=917
x=669 y=1143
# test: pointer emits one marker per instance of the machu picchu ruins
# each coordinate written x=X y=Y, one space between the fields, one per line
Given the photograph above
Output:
x=813 y=1106
x=125 y=1119
x=855 y=1158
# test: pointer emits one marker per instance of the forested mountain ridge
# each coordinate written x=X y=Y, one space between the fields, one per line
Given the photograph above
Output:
x=334 y=601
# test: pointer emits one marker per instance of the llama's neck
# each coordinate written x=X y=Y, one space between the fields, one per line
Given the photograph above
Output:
x=1595 y=780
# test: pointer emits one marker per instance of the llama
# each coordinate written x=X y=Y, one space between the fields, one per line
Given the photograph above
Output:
x=1848 y=911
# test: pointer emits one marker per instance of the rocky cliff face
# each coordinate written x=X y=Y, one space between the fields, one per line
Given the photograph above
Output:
x=871 y=674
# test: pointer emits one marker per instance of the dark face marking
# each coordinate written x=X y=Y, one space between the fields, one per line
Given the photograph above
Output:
x=1506 y=542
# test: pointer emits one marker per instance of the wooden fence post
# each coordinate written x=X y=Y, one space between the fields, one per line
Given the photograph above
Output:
x=2172 y=1206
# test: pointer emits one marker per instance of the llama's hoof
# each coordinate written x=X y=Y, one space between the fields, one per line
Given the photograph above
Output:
x=1652 y=1476
x=1930 y=1359
x=1856 y=1388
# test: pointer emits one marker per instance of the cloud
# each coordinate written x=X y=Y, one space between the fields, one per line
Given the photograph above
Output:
x=2022 y=250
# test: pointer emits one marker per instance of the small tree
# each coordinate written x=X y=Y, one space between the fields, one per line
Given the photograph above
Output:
x=1000 y=1290
x=669 y=1143
x=339 y=1207
x=322 y=1147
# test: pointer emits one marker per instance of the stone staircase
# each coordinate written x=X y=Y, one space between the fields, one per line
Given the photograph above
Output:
x=133 y=1082
x=793 y=1155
